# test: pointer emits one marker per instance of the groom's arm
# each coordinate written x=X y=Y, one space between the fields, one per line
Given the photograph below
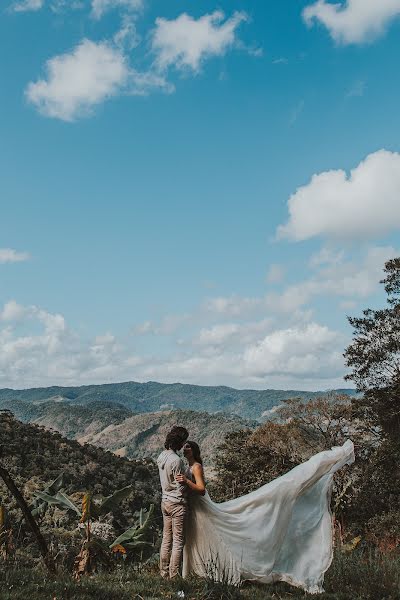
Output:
x=178 y=468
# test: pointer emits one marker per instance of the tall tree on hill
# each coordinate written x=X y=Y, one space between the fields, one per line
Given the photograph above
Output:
x=374 y=355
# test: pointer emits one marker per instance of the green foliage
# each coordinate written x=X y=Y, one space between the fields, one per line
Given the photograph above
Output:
x=132 y=538
x=374 y=355
x=384 y=530
x=39 y=506
x=35 y=456
x=60 y=500
x=112 y=502
x=94 y=509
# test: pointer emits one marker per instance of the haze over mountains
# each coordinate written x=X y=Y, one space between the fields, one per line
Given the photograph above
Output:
x=131 y=419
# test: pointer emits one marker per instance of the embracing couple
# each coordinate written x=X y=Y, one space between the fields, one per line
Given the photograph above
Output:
x=177 y=481
x=280 y=532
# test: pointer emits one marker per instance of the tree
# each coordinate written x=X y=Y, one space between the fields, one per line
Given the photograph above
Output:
x=374 y=355
x=248 y=459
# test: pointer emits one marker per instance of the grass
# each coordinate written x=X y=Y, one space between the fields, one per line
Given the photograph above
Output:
x=361 y=575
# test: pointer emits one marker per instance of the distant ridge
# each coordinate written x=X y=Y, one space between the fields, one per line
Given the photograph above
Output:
x=153 y=396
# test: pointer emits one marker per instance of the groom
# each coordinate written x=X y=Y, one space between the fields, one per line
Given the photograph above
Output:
x=173 y=503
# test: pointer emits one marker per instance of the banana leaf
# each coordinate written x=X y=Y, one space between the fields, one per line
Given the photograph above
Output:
x=39 y=506
x=56 y=485
x=137 y=544
x=111 y=502
x=134 y=533
x=60 y=500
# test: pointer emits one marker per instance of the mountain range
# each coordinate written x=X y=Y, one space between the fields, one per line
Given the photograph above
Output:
x=132 y=419
x=153 y=396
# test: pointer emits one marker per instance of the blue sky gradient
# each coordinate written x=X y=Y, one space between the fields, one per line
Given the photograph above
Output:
x=141 y=213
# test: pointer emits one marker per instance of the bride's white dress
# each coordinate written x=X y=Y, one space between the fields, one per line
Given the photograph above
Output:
x=280 y=532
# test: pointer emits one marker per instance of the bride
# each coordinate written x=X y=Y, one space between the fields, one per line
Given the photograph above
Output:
x=280 y=532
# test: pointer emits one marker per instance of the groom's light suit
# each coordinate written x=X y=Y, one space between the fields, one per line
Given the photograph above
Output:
x=174 y=508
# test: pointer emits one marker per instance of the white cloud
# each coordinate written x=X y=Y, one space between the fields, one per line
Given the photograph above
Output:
x=9 y=255
x=363 y=204
x=302 y=351
x=12 y=311
x=48 y=352
x=185 y=41
x=168 y=325
x=28 y=5
x=233 y=306
x=37 y=348
x=90 y=74
x=229 y=335
x=79 y=80
x=127 y=36
x=275 y=273
x=305 y=356
x=346 y=279
x=334 y=276
x=326 y=256
x=354 y=21
x=100 y=7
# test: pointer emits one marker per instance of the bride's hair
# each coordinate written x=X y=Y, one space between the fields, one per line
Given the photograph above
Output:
x=196 y=451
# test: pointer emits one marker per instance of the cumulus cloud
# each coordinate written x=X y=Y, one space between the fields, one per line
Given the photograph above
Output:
x=306 y=356
x=301 y=351
x=9 y=255
x=363 y=204
x=79 y=80
x=91 y=73
x=100 y=7
x=185 y=42
x=27 y=5
x=354 y=21
x=229 y=335
x=38 y=348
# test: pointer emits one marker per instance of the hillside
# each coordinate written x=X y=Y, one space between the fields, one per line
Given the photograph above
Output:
x=76 y=421
x=35 y=456
x=143 y=435
x=116 y=428
x=152 y=397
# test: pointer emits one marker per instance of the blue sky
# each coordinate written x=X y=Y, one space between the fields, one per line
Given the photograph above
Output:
x=194 y=192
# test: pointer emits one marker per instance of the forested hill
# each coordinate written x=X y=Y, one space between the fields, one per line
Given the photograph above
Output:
x=153 y=396
x=116 y=428
x=35 y=456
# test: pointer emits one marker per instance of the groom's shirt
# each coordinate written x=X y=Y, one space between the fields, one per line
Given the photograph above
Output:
x=170 y=465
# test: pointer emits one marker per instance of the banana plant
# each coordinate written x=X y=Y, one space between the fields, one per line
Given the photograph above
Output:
x=93 y=551
x=132 y=538
x=39 y=506
x=90 y=508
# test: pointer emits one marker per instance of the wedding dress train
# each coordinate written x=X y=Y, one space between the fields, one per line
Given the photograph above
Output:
x=280 y=532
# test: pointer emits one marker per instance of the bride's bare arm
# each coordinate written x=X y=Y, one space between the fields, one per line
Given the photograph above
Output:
x=199 y=487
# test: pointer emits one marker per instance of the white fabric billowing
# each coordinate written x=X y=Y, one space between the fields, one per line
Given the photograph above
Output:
x=280 y=532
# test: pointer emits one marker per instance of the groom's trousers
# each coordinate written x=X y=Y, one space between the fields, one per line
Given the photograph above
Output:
x=174 y=517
